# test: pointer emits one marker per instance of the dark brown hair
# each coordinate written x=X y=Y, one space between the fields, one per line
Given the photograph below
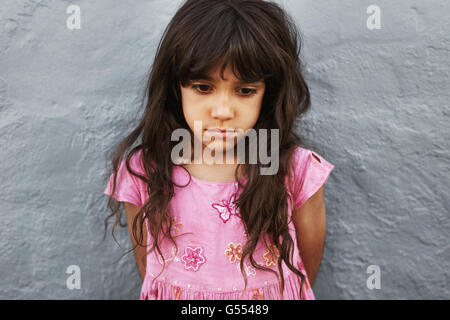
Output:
x=259 y=41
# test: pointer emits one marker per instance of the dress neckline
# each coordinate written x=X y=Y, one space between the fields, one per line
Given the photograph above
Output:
x=208 y=182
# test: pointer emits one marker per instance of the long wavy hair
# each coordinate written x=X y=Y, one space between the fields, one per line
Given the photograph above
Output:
x=259 y=40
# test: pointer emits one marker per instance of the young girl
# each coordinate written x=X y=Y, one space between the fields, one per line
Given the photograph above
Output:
x=223 y=230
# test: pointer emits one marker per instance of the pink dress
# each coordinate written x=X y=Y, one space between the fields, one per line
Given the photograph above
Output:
x=210 y=237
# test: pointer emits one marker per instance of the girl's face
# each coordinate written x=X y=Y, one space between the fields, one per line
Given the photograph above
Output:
x=221 y=104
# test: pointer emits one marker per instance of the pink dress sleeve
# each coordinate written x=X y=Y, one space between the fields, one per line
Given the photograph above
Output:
x=127 y=188
x=311 y=171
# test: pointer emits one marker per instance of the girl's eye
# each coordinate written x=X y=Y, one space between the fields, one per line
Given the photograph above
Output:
x=249 y=91
x=201 y=87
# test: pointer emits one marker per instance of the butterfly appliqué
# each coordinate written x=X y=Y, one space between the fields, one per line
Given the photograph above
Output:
x=226 y=208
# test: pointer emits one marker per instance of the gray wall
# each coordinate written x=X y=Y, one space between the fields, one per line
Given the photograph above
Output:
x=380 y=114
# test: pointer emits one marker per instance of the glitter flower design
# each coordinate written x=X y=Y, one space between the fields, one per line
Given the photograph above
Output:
x=256 y=295
x=172 y=257
x=233 y=252
x=177 y=292
x=176 y=226
x=251 y=271
x=271 y=255
x=193 y=258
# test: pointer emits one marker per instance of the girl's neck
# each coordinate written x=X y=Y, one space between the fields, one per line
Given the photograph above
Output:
x=214 y=172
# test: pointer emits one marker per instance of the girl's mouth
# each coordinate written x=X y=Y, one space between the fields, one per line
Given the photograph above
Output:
x=221 y=132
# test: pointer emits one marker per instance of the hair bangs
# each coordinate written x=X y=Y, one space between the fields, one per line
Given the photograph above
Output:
x=227 y=40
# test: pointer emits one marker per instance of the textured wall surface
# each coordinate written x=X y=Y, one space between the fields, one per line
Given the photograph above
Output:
x=380 y=114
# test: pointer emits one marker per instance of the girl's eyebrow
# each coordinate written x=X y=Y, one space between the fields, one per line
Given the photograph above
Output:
x=209 y=78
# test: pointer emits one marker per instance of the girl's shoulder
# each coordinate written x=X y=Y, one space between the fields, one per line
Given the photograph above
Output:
x=309 y=171
x=136 y=161
x=128 y=187
x=303 y=157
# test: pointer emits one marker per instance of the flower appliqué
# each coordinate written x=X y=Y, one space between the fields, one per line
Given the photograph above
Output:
x=172 y=257
x=193 y=258
x=176 y=226
x=226 y=208
x=271 y=255
x=233 y=252
x=256 y=295
x=251 y=271
x=177 y=292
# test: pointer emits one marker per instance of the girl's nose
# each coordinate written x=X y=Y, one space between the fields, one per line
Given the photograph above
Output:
x=222 y=109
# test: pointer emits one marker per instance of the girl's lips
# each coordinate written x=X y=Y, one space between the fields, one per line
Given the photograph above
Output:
x=221 y=130
x=220 y=133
